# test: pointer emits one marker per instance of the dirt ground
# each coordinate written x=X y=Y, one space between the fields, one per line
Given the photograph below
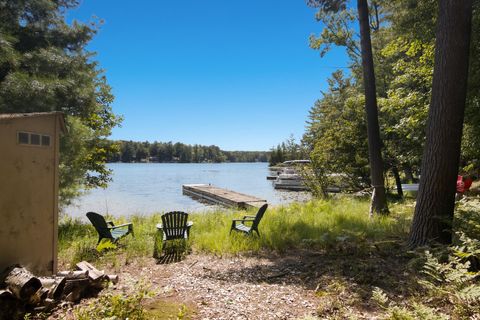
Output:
x=294 y=285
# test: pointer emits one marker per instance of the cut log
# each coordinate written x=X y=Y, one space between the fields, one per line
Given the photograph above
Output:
x=38 y=297
x=69 y=275
x=113 y=278
x=21 y=282
x=73 y=296
x=6 y=294
x=55 y=286
x=49 y=302
x=93 y=273
x=46 y=305
x=74 y=289
x=40 y=309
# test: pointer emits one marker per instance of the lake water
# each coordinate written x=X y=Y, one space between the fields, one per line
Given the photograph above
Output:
x=144 y=188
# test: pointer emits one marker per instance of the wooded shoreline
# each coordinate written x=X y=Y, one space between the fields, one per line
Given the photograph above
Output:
x=169 y=152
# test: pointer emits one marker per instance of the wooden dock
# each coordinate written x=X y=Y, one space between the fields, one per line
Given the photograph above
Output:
x=221 y=196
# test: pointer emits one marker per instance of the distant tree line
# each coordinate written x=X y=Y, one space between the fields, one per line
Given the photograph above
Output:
x=287 y=150
x=132 y=151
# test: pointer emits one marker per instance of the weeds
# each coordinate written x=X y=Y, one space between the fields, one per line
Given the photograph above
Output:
x=319 y=224
x=84 y=250
x=115 y=306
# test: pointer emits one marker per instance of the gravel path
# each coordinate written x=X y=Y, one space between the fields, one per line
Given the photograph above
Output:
x=228 y=288
x=291 y=285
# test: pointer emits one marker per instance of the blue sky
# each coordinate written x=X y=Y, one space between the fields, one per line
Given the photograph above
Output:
x=237 y=74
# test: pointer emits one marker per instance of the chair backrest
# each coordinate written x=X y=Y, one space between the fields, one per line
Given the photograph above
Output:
x=100 y=224
x=174 y=225
x=259 y=216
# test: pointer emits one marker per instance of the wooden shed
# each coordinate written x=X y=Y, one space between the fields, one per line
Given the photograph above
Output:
x=29 y=148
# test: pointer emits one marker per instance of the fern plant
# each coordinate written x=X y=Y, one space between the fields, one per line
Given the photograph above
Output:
x=414 y=310
x=452 y=287
x=455 y=280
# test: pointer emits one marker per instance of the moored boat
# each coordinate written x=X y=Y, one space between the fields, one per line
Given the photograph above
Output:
x=289 y=179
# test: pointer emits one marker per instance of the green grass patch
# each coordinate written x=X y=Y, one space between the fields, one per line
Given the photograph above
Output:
x=318 y=224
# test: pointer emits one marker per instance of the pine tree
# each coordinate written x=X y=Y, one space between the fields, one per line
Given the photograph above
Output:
x=44 y=66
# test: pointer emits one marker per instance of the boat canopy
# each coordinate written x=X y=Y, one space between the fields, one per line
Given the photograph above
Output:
x=297 y=162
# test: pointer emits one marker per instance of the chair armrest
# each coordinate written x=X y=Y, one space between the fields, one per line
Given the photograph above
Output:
x=122 y=225
x=234 y=221
x=251 y=217
x=110 y=223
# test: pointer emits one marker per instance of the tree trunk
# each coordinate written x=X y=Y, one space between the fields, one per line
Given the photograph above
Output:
x=379 y=200
x=436 y=195
x=398 y=181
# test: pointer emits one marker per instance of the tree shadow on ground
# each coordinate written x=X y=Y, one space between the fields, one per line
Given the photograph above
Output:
x=344 y=278
x=308 y=268
x=345 y=271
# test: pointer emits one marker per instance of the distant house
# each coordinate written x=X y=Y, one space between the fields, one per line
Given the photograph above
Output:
x=29 y=148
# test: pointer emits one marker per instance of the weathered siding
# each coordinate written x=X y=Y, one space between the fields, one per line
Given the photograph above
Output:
x=29 y=194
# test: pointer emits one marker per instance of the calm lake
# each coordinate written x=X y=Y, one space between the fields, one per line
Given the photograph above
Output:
x=144 y=188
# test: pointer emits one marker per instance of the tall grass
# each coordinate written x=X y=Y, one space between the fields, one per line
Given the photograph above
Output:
x=320 y=224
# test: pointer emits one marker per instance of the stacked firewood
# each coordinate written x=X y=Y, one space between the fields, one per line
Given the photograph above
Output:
x=43 y=293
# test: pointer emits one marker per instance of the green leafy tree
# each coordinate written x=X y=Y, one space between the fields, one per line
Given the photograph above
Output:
x=339 y=32
x=131 y=151
x=141 y=152
x=44 y=66
x=128 y=152
x=403 y=111
x=153 y=149
x=471 y=131
x=336 y=136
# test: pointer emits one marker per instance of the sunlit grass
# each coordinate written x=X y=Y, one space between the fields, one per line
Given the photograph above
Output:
x=318 y=224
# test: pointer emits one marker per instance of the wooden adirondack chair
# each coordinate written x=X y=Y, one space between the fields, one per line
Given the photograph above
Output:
x=175 y=225
x=107 y=229
x=240 y=224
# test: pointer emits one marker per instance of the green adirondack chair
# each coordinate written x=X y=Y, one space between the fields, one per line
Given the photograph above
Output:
x=253 y=221
x=107 y=229
x=174 y=226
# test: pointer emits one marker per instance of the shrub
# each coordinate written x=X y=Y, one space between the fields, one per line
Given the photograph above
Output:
x=115 y=306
